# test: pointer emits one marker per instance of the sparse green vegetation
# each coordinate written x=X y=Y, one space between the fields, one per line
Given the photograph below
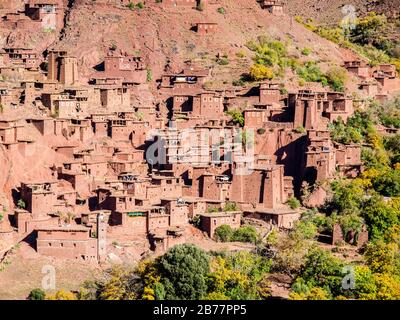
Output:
x=37 y=294
x=221 y=10
x=149 y=75
x=132 y=6
x=237 y=116
x=223 y=61
x=337 y=78
x=306 y=51
x=225 y=233
x=230 y=206
x=21 y=204
x=310 y=72
x=371 y=38
x=238 y=83
x=300 y=130
x=293 y=203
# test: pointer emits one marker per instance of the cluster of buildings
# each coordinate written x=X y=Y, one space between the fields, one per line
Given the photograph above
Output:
x=122 y=170
x=376 y=82
x=33 y=14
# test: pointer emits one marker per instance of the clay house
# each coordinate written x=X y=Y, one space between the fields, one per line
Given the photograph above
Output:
x=196 y=206
x=388 y=70
x=263 y=187
x=130 y=222
x=312 y=110
x=369 y=88
x=129 y=68
x=211 y=221
x=26 y=222
x=178 y=211
x=338 y=106
x=113 y=200
x=182 y=104
x=14 y=20
x=157 y=220
x=66 y=149
x=205 y=28
x=282 y=218
x=214 y=187
x=272 y=6
x=30 y=95
x=113 y=96
x=49 y=13
x=308 y=107
x=25 y=57
x=39 y=197
x=208 y=105
x=61 y=104
x=90 y=219
x=320 y=157
x=255 y=118
x=270 y=92
x=162 y=241
x=120 y=129
x=95 y=167
x=358 y=67
x=62 y=67
x=83 y=97
x=166 y=187
x=138 y=135
x=73 y=242
x=348 y=159
x=49 y=86
x=385 y=74
x=100 y=124
x=134 y=162
x=189 y=82
x=11 y=132
x=77 y=178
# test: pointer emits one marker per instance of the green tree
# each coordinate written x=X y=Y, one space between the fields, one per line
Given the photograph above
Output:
x=237 y=116
x=239 y=276
x=260 y=72
x=347 y=196
x=379 y=215
x=37 y=294
x=293 y=203
x=245 y=234
x=183 y=271
x=369 y=30
x=224 y=233
x=388 y=183
x=382 y=257
x=321 y=269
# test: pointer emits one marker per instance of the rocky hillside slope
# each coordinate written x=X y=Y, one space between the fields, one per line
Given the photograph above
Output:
x=331 y=11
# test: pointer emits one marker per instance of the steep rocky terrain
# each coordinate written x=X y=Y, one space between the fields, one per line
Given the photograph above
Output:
x=165 y=35
x=326 y=12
